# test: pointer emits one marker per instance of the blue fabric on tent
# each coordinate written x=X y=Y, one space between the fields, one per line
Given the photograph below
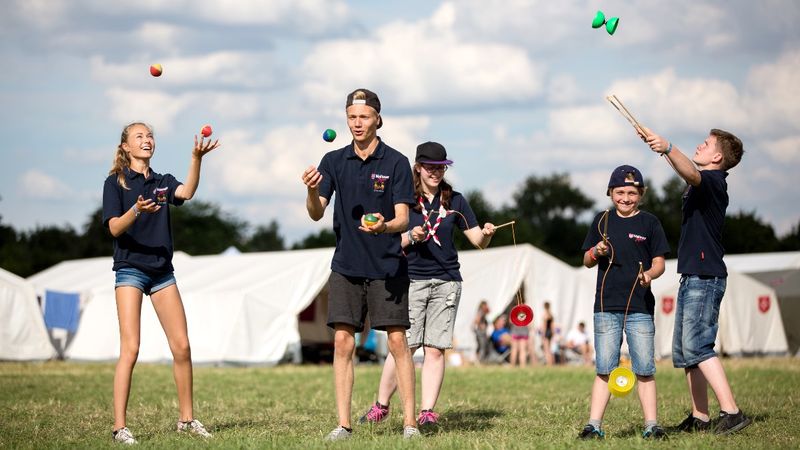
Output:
x=62 y=310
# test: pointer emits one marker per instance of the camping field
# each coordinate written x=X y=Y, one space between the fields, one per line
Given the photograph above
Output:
x=60 y=405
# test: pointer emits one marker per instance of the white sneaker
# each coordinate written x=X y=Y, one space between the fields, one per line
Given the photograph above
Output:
x=194 y=427
x=124 y=436
x=410 y=432
x=338 y=434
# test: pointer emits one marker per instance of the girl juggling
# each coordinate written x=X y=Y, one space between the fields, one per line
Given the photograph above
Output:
x=136 y=203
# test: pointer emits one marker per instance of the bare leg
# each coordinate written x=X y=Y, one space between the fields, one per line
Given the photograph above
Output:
x=523 y=353
x=647 y=397
x=714 y=373
x=398 y=347
x=129 y=311
x=514 y=352
x=548 y=353
x=432 y=377
x=169 y=308
x=698 y=389
x=344 y=347
x=388 y=383
x=600 y=396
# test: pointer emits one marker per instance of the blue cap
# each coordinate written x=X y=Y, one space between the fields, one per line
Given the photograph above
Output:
x=625 y=176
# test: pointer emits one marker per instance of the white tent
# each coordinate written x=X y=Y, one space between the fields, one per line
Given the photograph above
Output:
x=240 y=309
x=782 y=272
x=749 y=318
x=23 y=336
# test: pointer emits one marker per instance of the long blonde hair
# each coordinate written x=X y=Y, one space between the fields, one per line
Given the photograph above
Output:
x=121 y=158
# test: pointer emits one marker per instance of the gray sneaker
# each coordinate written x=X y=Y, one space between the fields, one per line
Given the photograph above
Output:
x=339 y=433
x=124 y=436
x=410 y=432
x=194 y=427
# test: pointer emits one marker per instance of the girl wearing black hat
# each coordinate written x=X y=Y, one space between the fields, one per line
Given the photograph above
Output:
x=433 y=268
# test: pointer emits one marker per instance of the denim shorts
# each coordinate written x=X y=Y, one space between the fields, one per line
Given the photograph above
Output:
x=640 y=331
x=696 y=319
x=149 y=284
x=432 y=307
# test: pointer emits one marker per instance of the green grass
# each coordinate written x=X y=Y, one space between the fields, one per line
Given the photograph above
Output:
x=59 y=404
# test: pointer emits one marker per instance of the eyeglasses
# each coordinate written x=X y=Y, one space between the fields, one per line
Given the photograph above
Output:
x=430 y=168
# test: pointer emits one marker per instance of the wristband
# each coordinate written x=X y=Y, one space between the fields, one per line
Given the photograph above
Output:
x=669 y=149
x=591 y=254
x=136 y=211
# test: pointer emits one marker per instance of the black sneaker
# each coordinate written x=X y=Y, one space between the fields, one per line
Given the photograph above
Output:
x=655 y=432
x=731 y=423
x=692 y=424
x=590 y=432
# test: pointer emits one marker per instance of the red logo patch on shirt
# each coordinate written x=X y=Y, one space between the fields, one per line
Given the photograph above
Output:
x=161 y=195
x=379 y=182
x=636 y=237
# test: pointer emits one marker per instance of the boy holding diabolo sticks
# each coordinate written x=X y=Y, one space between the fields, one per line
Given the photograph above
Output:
x=628 y=246
x=703 y=274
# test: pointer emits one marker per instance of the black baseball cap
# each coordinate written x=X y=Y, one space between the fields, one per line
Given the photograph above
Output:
x=371 y=100
x=432 y=153
x=625 y=175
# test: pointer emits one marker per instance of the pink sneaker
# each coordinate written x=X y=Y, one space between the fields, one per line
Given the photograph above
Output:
x=376 y=413
x=427 y=417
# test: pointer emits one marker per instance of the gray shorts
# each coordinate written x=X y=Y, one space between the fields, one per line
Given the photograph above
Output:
x=432 y=307
x=350 y=298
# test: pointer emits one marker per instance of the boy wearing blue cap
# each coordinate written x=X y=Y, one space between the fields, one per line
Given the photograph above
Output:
x=628 y=246
x=703 y=275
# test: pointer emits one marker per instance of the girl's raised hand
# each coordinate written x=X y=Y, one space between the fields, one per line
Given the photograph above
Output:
x=203 y=146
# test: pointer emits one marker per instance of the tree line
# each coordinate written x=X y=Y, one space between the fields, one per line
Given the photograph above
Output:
x=549 y=213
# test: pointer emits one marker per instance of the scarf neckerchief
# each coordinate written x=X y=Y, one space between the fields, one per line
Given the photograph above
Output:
x=426 y=216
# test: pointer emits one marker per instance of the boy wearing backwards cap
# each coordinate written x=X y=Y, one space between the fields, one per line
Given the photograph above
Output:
x=628 y=246
x=369 y=273
x=703 y=275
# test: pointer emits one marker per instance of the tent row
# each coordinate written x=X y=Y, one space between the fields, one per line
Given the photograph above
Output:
x=255 y=308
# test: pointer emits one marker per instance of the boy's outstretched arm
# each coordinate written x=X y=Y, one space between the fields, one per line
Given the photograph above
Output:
x=680 y=162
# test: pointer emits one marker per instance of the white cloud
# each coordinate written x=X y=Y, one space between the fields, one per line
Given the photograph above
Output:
x=39 y=185
x=666 y=101
x=225 y=69
x=313 y=16
x=772 y=93
x=423 y=65
x=783 y=151
x=153 y=107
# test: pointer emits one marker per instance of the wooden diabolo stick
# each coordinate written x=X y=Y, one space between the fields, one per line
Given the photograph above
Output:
x=505 y=224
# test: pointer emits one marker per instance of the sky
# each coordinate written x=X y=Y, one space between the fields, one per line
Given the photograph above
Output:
x=511 y=88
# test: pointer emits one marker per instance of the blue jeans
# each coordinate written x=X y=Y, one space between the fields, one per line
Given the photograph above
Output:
x=149 y=284
x=640 y=331
x=696 y=319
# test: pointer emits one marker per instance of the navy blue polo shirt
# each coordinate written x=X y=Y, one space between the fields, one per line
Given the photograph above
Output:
x=147 y=244
x=700 y=248
x=637 y=238
x=366 y=186
x=428 y=260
